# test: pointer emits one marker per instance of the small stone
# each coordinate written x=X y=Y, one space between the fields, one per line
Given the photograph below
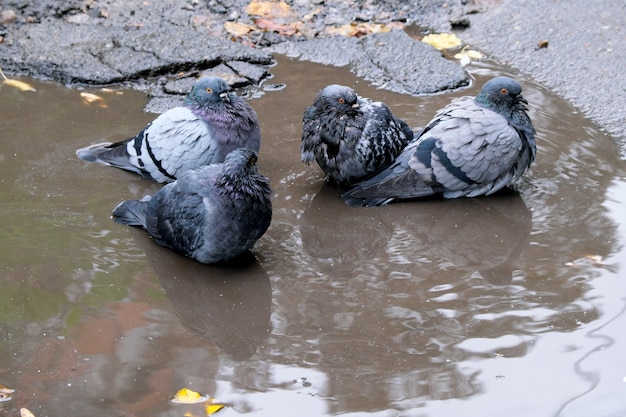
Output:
x=7 y=16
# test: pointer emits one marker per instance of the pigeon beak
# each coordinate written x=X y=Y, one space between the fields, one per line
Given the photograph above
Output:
x=522 y=99
x=224 y=96
x=355 y=106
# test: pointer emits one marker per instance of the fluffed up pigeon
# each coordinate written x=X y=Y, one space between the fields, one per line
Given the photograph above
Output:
x=472 y=147
x=351 y=137
x=212 y=214
x=212 y=122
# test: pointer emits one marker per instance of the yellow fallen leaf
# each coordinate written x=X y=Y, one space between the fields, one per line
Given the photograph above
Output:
x=6 y=389
x=25 y=412
x=442 y=40
x=269 y=9
x=213 y=408
x=237 y=29
x=187 y=396
x=20 y=85
x=89 y=98
x=358 y=29
x=470 y=53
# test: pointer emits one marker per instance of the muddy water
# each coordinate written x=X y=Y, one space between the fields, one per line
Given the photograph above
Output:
x=512 y=304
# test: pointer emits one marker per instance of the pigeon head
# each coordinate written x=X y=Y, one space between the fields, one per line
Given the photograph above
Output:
x=208 y=91
x=340 y=98
x=502 y=94
x=240 y=163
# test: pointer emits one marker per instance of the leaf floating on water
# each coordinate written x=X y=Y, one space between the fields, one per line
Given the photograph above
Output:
x=442 y=40
x=595 y=260
x=89 y=98
x=467 y=55
x=187 y=396
x=213 y=408
x=25 y=412
x=5 y=393
x=470 y=53
x=20 y=85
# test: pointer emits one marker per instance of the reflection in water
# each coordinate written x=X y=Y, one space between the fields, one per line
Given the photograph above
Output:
x=427 y=308
x=229 y=304
x=487 y=235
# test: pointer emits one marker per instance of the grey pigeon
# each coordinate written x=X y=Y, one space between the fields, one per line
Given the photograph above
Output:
x=212 y=122
x=351 y=137
x=472 y=147
x=211 y=214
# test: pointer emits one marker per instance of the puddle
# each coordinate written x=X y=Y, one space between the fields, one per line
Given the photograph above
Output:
x=512 y=304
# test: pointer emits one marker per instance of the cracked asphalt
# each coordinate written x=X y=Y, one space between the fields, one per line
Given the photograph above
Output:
x=158 y=47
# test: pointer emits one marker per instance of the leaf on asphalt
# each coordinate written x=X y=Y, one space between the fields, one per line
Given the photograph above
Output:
x=187 y=396
x=25 y=412
x=266 y=25
x=237 y=29
x=89 y=99
x=442 y=40
x=269 y=9
x=361 y=29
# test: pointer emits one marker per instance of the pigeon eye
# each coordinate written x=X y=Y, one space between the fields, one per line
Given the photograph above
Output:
x=504 y=91
x=341 y=100
x=252 y=160
x=208 y=90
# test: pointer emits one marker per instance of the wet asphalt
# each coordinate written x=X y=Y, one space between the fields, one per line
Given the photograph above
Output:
x=574 y=48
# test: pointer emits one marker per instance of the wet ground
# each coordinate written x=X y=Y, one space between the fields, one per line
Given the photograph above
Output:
x=506 y=305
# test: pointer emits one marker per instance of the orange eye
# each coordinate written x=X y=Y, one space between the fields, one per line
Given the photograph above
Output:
x=504 y=91
x=208 y=90
x=341 y=101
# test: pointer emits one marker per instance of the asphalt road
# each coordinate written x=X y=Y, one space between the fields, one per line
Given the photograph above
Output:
x=99 y=42
x=584 y=62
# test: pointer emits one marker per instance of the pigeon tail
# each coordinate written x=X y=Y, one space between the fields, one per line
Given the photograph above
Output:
x=131 y=212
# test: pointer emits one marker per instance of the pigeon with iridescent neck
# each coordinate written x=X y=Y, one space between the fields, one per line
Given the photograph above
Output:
x=212 y=122
x=472 y=147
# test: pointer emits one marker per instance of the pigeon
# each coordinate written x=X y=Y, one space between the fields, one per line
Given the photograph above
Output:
x=351 y=137
x=211 y=123
x=211 y=214
x=474 y=146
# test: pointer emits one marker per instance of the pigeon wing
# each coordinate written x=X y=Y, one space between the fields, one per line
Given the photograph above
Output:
x=176 y=141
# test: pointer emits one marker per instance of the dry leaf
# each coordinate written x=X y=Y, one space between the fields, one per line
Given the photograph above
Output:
x=359 y=29
x=595 y=260
x=89 y=98
x=269 y=9
x=282 y=29
x=237 y=29
x=20 y=85
x=5 y=393
x=25 y=412
x=187 y=396
x=442 y=40
x=6 y=390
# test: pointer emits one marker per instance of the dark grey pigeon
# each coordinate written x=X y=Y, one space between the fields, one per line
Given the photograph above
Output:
x=212 y=122
x=351 y=137
x=473 y=147
x=211 y=214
